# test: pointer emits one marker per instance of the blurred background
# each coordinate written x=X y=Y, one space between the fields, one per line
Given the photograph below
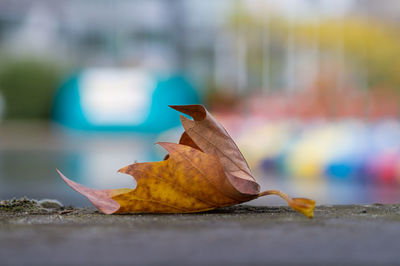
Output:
x=309 y=89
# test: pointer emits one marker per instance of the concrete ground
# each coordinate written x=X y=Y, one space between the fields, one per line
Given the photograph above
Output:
x=241 y=235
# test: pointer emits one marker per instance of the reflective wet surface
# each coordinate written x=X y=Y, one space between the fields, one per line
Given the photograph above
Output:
x=30 y=154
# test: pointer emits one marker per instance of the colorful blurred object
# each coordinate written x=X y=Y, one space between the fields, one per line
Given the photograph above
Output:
x=347 y=150
x=121 y=99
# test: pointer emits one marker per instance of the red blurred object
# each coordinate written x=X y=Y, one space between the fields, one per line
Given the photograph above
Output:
x=384 y=168
x=325 y=102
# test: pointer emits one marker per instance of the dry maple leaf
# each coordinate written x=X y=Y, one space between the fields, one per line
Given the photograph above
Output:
x=204 y=171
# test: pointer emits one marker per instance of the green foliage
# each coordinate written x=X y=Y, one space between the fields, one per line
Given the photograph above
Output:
x=28 y=86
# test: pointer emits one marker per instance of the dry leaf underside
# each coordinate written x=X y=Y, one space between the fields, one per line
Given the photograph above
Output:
x=204 y=171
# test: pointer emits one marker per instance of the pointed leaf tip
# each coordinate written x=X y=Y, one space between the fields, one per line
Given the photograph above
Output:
x=197 y=111
x=123 y=169
x=101 y=199
x=171 y=147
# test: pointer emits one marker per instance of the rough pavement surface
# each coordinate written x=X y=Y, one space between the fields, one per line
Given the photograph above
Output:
x=241 y=235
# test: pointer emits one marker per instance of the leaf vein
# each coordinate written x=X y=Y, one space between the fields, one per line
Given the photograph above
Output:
x=178 y=188
x=205 y=176
x=216 y=147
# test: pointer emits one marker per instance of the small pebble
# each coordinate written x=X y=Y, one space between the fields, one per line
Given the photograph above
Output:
x=50 y=204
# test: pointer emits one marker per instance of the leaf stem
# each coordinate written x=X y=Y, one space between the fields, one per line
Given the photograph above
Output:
x=302 y=205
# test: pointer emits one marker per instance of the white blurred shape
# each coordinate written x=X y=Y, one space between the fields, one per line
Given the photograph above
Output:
x=116 y=97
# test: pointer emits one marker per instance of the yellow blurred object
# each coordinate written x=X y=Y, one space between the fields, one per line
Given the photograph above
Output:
x=264 y=142
x=309 y=155
x=373 y=45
